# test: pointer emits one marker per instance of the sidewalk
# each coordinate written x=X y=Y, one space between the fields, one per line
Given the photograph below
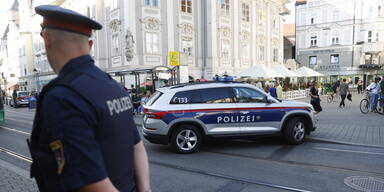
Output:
x=345 y=126
x=14 y=179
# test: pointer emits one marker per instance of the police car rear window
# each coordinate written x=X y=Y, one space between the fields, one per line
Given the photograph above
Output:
x=154 y=98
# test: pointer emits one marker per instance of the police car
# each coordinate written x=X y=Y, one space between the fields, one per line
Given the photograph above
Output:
x=186 y=115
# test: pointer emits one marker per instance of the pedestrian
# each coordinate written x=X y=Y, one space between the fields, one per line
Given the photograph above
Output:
x=334 y=88
x=374 y=89
x=259 y=85
x=272 y=91
x=279 y=91
x=315 y=98
x=344 y=89
x=84 y=137
x=359 y=86
x=382 y=90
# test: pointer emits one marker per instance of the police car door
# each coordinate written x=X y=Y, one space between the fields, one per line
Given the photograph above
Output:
x=215 y=109
x=255 y=113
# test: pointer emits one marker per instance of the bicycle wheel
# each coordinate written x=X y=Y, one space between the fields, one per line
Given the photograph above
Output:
x=364 y=106
x=380 y=107
x=329 y=98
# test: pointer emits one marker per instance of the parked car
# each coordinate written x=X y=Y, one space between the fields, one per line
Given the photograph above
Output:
x=186 y=115
x=20 y=99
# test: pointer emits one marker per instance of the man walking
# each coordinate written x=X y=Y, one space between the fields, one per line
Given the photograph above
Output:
x=84 y=137
x=344 y=89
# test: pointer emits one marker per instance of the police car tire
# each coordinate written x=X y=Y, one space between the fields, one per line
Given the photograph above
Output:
x=183 y=129
x=293 y=126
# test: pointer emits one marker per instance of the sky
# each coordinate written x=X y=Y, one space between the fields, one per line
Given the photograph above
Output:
x=5 y=5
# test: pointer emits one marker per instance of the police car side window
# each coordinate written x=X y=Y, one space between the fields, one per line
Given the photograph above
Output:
x=247 y=95
x=217 y=95
x=182 y=97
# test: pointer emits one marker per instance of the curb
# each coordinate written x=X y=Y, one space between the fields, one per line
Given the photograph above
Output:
x=322 y=140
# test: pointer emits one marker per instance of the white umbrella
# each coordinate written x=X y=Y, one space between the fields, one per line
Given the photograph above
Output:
x=284 y=71
x=307 y=72
x=260 y=71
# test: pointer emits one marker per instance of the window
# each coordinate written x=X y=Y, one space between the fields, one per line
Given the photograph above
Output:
x=245 y=50
x=225 y=48
x=247 y=95
x=245 y=12
x=370 y=12
x=186 y=6
x=214 y=95
x=153 y=3
x=152 y=43
x=186 y=46
x=275 y=54
x=377 y=37
x=335 y=40
x=182 y=97
x=261 y=17
x=335 y=15
x=261 y=53
x=313 y=41
x=312 y=60
x=369 y=36
x=115 y=44
x=379 y=11
x=225 y=6
x=114 y=4
x=312 y=20
x=335 y=59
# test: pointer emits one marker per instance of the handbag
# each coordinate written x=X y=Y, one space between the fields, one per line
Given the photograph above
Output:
x=349 y=96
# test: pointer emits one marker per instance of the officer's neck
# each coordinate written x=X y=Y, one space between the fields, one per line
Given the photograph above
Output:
x=62 y=60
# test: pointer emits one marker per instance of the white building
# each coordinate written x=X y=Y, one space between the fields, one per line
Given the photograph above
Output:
x=341 y=38
x=215 y=36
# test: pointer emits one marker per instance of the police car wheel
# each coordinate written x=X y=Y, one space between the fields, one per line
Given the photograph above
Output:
x=186 y=139
x=294 y=132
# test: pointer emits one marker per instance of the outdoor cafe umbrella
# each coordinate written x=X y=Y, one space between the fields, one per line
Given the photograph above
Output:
x=260 y=71
x=284 y=71
x=307 y=72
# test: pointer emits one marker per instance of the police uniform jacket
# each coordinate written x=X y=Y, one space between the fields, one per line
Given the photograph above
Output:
x=90 y=115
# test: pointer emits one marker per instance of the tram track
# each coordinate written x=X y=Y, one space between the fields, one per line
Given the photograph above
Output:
x=294 y=163
x=186 y=169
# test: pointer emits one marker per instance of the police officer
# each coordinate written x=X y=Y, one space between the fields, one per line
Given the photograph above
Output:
x=84 y=137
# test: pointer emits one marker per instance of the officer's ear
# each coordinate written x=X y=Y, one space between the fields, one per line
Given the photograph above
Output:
x=90 y=43
x=47 y=39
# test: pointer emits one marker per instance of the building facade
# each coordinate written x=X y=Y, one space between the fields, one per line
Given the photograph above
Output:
x=341 y=38
x=213 y=37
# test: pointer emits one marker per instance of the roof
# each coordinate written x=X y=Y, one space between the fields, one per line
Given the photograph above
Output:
x=289 y=29
x=15 y=6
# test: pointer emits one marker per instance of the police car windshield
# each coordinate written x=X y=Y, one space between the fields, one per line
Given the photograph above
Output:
x=153 y=98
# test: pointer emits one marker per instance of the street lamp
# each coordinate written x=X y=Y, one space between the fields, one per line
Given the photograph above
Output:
x=36 y=71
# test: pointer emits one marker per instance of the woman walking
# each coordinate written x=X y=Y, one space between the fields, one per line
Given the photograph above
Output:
x=315 y=98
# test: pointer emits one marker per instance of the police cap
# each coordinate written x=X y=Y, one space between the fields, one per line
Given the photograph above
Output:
x=64 y=19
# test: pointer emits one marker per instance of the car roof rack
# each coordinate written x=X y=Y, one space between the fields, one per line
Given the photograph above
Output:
x=200 y=83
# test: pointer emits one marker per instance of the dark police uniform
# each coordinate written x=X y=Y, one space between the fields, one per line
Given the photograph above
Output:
x=83 y=130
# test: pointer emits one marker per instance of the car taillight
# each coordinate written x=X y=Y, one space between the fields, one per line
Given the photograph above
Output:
x=155 y=115
x=145 y=110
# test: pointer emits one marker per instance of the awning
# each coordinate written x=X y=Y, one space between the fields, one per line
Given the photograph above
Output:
x=307 y=72
x=260 y=71
x=11 y=84
x=284 y=71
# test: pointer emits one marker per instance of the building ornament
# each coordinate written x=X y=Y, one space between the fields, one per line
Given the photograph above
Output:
x=244 y=36
x=186 y=28
x=225 y=32
x=151 y=23
x=114 y=25
x=129 y=46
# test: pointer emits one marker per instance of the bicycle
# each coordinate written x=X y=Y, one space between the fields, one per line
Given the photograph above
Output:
x=365 y=104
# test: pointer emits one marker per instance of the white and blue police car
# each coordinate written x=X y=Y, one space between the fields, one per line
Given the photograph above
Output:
x=186 y=115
